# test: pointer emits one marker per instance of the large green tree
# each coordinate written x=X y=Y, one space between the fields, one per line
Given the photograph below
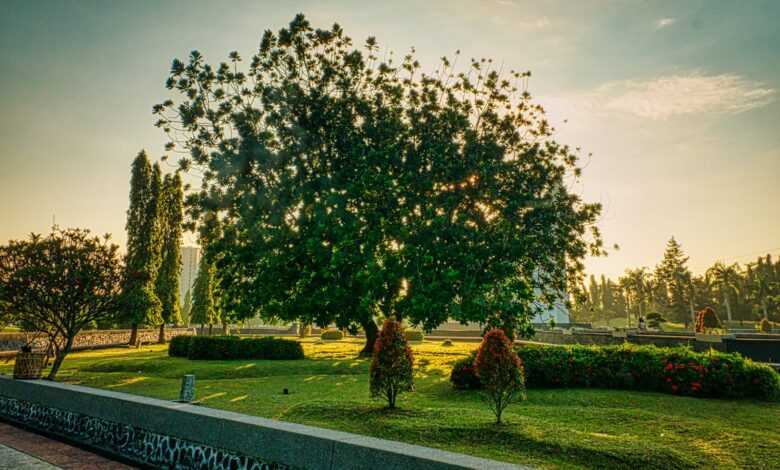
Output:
x=60 y=284
x=168 y=276
x=141 y=304
x=349 y=188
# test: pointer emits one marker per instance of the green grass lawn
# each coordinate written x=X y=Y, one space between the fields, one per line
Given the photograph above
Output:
x=580 y=428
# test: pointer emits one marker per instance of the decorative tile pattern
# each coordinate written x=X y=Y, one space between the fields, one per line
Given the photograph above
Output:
x=138 y=445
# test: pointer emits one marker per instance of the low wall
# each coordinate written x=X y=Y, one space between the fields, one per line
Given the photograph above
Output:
x=759 y=347
x=89 y=338
x=160 y=434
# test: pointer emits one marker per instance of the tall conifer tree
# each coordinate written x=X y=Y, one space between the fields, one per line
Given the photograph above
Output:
x=140 y=302
x=204 y=307
x=171 y=217
x=674 y=273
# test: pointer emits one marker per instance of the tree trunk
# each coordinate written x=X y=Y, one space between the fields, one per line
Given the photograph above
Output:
x=693 y=313
x=372 y=332
x=763 y=307
x=161 y=337
x=133 y=334
x=211 y=327
x=728 y=306
x=202 y=329
x=224 y=329
x=59 y=357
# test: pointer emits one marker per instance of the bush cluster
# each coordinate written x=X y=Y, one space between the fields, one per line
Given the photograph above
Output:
x=464 y=374
x=331 y=335
x=233 y=347
x=764 y=326
x=678 y=370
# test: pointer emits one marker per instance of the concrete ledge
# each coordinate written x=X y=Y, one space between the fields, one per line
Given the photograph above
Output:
x=269 y=441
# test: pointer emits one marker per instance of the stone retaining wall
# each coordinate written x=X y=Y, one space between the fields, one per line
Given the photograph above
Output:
x=159 y=434
x=11 y=342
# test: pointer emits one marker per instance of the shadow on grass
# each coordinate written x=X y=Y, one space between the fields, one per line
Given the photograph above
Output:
x=175 y=368
x=515 y=441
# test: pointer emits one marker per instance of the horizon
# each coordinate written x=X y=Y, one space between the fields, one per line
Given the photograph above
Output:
x=681 y=123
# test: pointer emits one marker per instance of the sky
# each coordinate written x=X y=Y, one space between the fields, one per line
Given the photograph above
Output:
x=678 y=103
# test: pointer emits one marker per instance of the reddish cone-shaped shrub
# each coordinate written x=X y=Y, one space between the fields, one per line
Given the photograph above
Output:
x=500 y=371
x=391 y=368
x=707 y=319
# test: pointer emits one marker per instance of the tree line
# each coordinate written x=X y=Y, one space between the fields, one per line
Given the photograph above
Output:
x=58 y=284
x=150 y=286
x=736 y=292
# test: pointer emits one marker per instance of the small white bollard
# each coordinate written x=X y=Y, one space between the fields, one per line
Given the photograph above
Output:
x=187 y=392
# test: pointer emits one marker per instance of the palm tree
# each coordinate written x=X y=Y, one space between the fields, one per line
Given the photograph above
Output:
x=635 y=283
x=759 y=279
x=725 y=279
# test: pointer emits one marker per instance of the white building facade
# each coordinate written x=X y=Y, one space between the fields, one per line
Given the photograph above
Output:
x=190 y=258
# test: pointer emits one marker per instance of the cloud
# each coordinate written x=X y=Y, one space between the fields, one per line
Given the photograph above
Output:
x=665 y=22
x=521 y=24
x=677 y=95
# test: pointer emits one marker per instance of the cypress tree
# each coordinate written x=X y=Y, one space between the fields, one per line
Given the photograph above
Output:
x=167 y=284
x=186 y=309
x=204 y=308
x=140 y=302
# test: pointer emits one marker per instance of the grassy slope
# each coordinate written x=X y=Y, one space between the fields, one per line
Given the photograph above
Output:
x=553 y=429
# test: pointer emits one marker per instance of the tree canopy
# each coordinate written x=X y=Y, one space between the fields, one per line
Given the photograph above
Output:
x=348 y=187
x=59 y=284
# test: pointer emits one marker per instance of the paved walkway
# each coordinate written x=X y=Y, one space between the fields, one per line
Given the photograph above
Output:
x=11 y=459
x=20 y=449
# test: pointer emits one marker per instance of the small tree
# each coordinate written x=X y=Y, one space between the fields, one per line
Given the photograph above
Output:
x=765 y=326
x=500 y=372
x=57 y=285
x=392 y=365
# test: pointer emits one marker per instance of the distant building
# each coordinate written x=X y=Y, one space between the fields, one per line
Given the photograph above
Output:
x=558 y=312
x=190 y=258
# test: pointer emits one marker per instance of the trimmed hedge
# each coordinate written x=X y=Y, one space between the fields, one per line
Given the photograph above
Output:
x=234 y=347
x=677 y=370
x=332 y=335
x=179 y=346
x=414 y=335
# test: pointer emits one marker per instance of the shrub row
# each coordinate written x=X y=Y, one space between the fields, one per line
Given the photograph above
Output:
x=233 y=347
x=678 y=370
x=179 y=346
x=414 y=335
x=331 y=335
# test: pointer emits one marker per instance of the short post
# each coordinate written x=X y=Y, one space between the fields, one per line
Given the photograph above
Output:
x=187 y=392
